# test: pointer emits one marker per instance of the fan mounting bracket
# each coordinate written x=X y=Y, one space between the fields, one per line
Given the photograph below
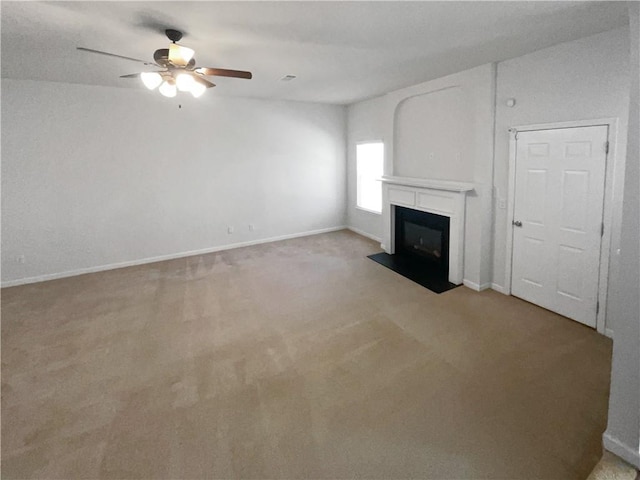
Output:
x=173 y=35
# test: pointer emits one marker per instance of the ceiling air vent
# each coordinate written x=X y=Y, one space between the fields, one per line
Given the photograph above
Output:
x=287 y=78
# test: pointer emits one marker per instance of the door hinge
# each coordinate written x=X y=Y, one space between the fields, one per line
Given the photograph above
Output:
x=597 y=307
x=602 y=229
x=606 y=146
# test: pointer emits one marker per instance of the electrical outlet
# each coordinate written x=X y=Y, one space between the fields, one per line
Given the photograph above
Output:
x=20 y=259
x=502 y=203
x=252 y=227
x=229 y=230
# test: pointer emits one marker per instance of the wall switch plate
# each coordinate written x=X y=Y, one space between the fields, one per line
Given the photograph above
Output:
x=229 y=229
x=20 y=259
x=252 y=227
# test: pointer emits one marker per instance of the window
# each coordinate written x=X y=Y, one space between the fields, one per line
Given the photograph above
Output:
x=369 y=167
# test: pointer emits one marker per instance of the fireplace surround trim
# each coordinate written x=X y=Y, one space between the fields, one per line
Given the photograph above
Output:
x=442 y=197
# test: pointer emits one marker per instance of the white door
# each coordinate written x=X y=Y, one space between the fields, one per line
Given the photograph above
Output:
x=557 y=222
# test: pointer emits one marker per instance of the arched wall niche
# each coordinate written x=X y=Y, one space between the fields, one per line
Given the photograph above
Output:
x=431 y=136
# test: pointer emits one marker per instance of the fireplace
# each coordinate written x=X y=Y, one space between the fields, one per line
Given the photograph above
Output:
x=422 y=248
x=442 y=198
x=424 y=237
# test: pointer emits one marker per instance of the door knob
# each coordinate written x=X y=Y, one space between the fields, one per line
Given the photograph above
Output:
x=517 y=223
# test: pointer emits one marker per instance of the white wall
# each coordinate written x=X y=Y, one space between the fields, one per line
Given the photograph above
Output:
x=623 y=430
x=94 y=176
x=459 y=110
x=441 y=129
x=427 y=135
x=365 y=122
x=579 y=80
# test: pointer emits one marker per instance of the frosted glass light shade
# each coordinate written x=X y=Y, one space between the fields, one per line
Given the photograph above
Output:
x=197 y=89
x=151 y=79
x=179 y=55
x=168 y=89
x=184 y=82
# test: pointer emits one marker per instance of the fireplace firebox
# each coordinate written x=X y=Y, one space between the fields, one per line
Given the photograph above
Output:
x=424 y=237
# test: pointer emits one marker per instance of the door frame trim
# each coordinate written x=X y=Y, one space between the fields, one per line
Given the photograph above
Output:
x=607 y=213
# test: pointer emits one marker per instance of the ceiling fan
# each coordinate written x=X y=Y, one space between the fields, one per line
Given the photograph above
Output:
x=179 y=71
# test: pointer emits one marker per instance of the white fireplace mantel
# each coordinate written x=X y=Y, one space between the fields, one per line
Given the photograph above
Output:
x=447 y=185
x=442 y=197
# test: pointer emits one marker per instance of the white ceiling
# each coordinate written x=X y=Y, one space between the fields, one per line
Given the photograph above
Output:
x=341 y=52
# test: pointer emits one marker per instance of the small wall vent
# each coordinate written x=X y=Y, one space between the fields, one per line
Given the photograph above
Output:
x=287 y=78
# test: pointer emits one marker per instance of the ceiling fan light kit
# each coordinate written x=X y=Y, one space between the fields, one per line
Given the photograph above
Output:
x=180 y=72
x=184 y=82
x=198 y=88
x=179 y=55
x=151 y=80
x=168 y=88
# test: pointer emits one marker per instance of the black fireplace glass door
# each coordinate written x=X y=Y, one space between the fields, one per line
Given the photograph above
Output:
x=424 y=236
x=423 y=241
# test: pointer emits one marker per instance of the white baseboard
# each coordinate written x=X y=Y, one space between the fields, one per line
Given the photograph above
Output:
x=160 y=258
x=475 y=286
x=364 y=234
x=499 y=288
x=623 y=451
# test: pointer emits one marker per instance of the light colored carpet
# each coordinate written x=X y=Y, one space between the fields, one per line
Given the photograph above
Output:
x=296 y=359
x=611 y=467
